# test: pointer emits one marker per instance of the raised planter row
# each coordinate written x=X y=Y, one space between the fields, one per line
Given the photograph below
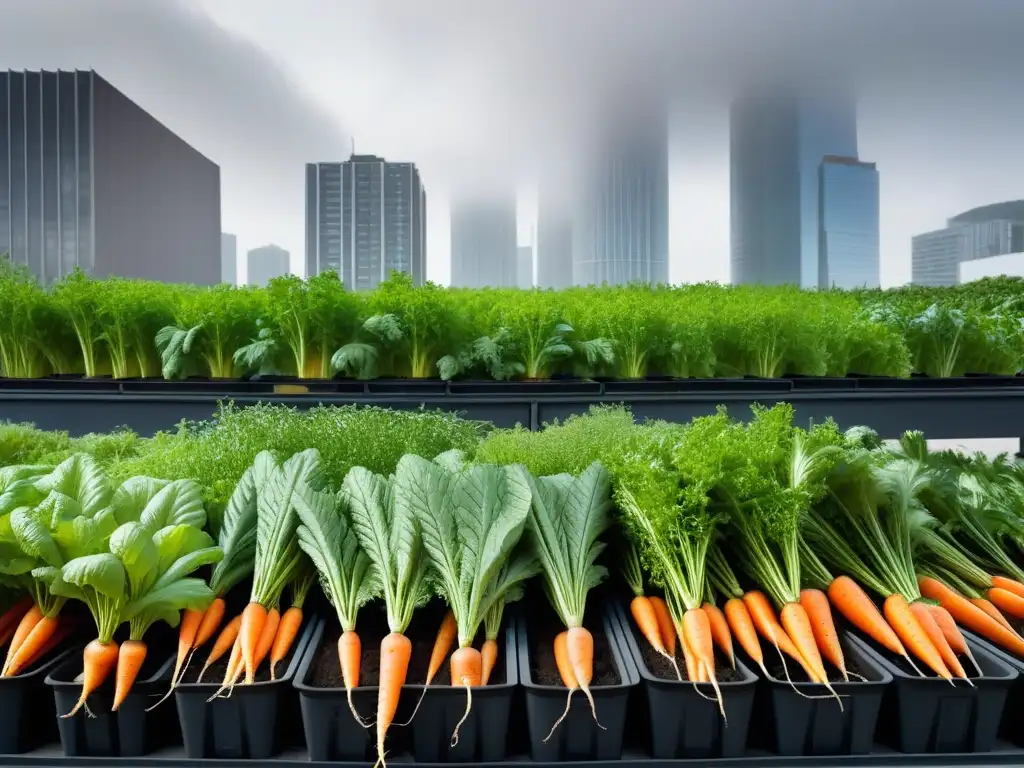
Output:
x=890 y=716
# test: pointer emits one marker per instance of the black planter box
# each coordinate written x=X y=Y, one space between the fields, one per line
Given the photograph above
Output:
x=411 y=387
x=525 y=388
x=29 y=715
x=250 y=723
x=805 y=726
x=1010 y=727
x=578 y=736
x=927 y=714
x=129 y=732
x=683 y=723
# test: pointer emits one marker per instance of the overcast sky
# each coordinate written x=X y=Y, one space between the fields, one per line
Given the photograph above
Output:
x=503 y=92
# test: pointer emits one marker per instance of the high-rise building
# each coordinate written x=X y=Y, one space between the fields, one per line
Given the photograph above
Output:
x=228 y=258
x=89 y=179
x=554 y=245
x=484 y=242
x=777 y=142
x=848 y=239
x=989 y=230
x=365 y=218
x=620 y=232
x=266 y=263
x=524 y=266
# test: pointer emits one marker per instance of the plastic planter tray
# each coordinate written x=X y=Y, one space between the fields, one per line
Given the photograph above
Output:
x=253 y=722
x=332 y=733
x=1010 y=727
x=27 y=705
x=129 y=732
x=683 y=723
x=927 y=714
x=817 y=726
x=578 y=736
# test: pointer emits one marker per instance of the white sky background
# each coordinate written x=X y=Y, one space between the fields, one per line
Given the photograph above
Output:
x=466 y=86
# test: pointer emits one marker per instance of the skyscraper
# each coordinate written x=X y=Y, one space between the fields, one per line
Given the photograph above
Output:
x=524 y=266
x=89 y=179
x=848 y=238
x=989 y=230
x=554 y=245
x=620 y=232
x=777 y=142
x=228 y=258
x=364 y=218
x=484 y=242
x=266 y=263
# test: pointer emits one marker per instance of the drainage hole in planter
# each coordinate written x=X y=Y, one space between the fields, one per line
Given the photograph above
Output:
x=543 y=670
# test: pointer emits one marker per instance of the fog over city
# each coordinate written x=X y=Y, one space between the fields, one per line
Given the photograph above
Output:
x=481 y=92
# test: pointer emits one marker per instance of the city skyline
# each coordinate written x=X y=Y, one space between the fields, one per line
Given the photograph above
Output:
x=265 y=263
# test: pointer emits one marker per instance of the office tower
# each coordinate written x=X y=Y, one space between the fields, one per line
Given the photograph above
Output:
x=989 y=230
x=777 y=142
x=89 y=179
x=620 y=232
x=228 y=258
x=266 y=263
x=554 y=244
x=524 y=266
x=848 y=240
x=484 y=242
x=365 y=218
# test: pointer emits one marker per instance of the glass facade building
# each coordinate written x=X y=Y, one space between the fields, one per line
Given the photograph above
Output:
x=848 y=239
x=776 y=146
x=980 y=233
x=365 y=217
x=89 y=179
x=484 y=242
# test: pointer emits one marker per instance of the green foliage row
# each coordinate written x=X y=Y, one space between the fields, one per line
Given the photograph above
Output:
x=316 y=329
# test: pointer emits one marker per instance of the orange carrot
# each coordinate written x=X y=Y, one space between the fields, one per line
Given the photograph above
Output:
x=99 y=660
x=26 y=625
x=63 y=630
x=13 y=615
x=467 y=671
x=287 y=631
x=647 y=622
x=913 y=636
x=720 y=631
x=798 y=626
x=698 y=637
x=350 y=656
x=994 y=612
x=266 y=641
x=815 y=603
x=763 y=616
x=32 y=645
x=922 y=611
x=562 y=662
x=443 y=642
x=665 y=625
x=129 y=661
x=693 y=669
x=212 y=618
x=254 y=618
x=949 y=629
x=187 y=633
x=580 y=645
x=742 y=627
x=236 y=665
x=489 y=656
x=971 y=616
x=858 y=609
x=1010 y=585
x=1008 y=602
x=224 y=643
x=395 y=652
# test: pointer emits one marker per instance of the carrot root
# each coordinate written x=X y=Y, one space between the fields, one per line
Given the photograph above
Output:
x=350 y=651
x=254 y=619
x=287 y=631
x=467 y=671
x=914 y=637
x=33 y=643
x=99 y=660
x=395 y=652
x=28 y=622
x=568 y=675
x=130 y=658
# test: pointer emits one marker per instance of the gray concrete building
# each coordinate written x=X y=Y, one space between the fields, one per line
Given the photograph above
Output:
x=266 y=263
x=365 y=218
x=228 y=259
x=980 y=233
x=484 y=242
x=89 y=179
x=524 y=266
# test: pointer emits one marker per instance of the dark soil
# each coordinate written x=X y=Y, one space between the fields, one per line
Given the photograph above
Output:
x=326 y=669
x=215 y=674
x=543 y=670
x=661 y=668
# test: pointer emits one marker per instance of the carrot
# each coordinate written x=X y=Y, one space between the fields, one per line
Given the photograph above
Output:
x=562 y=662
x=190 y=623
x=798 y=626
x=99 y=660
x=350 y=657
x=212 y=618
x=971 y=616
x=647 y=622
x=467 y=671
x=1010 y=585
x=266 y=641
x=994 y=612
x=224 y=643
x=931 y=628
x=720 y=631
x=254 y=618
x=950 y=631
x=665 y=625
x=287 y=631
x=32 y=645
x=63 y=630
x=816 y=604
x=692 y=667
x=697 y=634
x=763 y=616
x=489 y=655
x=129 y=661
x=580 y=646
x=395 y=652
x=742 y=627
x=860 y=610
x=13 y=615
x=1006 y=601
x=25 y=626
x=914 y=637
x=443 y=642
